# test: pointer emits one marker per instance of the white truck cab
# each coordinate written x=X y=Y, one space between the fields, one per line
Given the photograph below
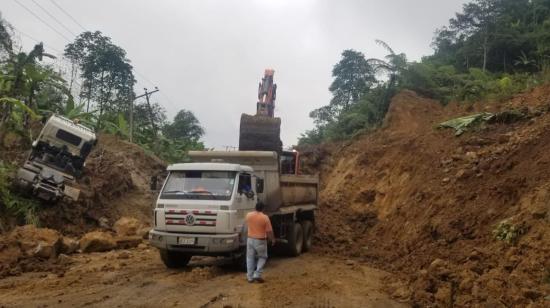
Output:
x=207 y=201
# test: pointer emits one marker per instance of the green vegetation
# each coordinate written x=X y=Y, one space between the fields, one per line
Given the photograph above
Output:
x=14 y=204
x=508 y=232
x=491 y=50
x=31 y=89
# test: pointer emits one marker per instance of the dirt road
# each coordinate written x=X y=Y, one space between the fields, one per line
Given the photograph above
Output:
x=138 y=278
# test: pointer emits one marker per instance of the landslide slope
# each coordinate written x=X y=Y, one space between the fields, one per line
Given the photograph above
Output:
x=115 y=184
x=428 y=205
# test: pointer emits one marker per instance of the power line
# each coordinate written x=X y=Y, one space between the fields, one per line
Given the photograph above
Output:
x=69 y=15
x=53 y=17
x=42 y=20
x=83 y=28
x=137 y=72
x=153 y=84
x=36 y=40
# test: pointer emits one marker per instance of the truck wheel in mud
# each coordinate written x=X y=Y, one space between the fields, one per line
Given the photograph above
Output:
x=239 y=261
x=295 y=240
x=174 y=259
x=307 y=228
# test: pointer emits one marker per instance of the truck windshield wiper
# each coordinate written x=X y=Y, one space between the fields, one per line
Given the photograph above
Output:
x=173 y=191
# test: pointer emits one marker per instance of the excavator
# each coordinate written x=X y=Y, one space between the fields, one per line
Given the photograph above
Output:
x=261 y=132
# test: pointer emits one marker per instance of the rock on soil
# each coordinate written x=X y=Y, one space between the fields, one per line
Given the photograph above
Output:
x=27 y=248
x=69 y=245
x=36 y=242
x=97 y=241
x=127 y=226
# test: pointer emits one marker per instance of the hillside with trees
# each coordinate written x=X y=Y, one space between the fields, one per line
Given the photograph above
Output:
x=98 y=91
x=490 y=50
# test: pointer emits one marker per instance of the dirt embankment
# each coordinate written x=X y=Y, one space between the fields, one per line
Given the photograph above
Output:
x=115 y=201
x=464 y=220
x=115 y=184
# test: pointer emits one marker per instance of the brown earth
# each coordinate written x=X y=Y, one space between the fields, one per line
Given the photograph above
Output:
x=424 y=204
x=115 y=184
x=137 y=278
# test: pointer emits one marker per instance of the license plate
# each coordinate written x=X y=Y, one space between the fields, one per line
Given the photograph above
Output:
x=186 y=240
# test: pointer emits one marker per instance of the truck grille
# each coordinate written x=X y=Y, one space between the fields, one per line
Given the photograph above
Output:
x=191 y=218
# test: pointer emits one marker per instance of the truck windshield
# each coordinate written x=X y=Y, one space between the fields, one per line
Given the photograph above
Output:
x=204 y=185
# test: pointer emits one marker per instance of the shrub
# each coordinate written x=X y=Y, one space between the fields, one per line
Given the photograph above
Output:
x=21 y=208
x=508 y=232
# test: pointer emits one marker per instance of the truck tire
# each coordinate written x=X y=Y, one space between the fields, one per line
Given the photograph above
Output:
x=239 y=262
x=174 y=259
x=295 y=240
x=307 y=227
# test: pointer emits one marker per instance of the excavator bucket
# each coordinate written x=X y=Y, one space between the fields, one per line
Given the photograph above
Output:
x=260 y=133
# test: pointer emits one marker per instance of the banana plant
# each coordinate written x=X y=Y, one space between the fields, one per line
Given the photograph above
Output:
x=119 y=128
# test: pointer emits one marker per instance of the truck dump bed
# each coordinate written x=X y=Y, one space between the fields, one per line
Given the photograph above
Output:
x=280 y=191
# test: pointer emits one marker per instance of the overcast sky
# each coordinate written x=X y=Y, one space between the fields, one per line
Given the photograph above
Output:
x=208 y=56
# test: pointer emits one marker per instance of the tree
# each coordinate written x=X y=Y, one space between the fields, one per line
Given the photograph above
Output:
x=185 y=127
x=353 y=77
x=107 y=75
x=394 y=65
x=477 y=22
x=6 y=43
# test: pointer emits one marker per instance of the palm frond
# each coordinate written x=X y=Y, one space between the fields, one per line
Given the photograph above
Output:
x=385 y=45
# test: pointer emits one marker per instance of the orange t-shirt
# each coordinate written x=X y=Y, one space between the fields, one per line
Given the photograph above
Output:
x=258 y=225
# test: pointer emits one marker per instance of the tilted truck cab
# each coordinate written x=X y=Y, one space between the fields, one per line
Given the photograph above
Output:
x=57 y=159
x=202 y=206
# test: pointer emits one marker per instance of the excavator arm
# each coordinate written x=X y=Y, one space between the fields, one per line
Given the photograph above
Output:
x=261 y=132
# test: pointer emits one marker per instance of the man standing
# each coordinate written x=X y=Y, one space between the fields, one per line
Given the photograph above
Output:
x=259 y=231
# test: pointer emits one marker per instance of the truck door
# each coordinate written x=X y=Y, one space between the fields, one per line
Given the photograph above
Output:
x=246 y=194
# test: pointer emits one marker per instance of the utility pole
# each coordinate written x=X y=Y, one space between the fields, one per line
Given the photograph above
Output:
x=147 y=95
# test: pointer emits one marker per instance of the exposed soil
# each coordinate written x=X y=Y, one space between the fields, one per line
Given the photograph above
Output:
x=115 y=184
x=137 y=277
x=425 y=204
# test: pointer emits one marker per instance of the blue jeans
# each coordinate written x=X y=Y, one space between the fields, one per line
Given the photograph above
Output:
x=256 y=256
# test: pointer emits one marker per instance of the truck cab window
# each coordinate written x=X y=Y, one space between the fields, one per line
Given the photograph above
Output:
x=245 y=183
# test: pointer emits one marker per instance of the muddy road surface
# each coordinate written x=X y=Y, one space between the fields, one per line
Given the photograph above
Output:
x=138 y=278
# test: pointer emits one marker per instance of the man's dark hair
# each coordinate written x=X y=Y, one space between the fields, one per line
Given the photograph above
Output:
x=260 y=206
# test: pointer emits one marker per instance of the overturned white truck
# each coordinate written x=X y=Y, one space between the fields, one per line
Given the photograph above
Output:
x=57 y=158
x=202 y=205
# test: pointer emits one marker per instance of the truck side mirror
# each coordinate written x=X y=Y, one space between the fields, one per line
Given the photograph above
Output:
x=154 y=183
x=249 y=194
x=259 y=185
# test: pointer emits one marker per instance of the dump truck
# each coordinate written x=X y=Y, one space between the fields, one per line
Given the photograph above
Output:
x=202 y=205
x=261 y=132
x=56 y=160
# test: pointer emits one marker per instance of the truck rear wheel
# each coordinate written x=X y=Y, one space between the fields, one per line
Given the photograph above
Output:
x=295 y=240
x=307 y=227
x=174 y=259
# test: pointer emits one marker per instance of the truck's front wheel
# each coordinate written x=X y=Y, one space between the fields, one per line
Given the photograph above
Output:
x=295 y=240
x=174 y=259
